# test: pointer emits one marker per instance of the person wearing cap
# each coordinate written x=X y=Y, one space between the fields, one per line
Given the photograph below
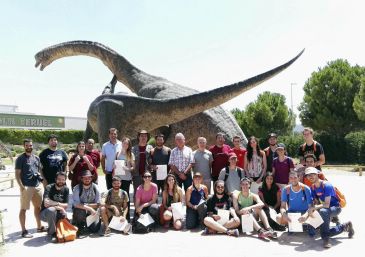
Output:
x=202 y=162
x=115 y=203
x=270 y=151
x=281 y=166
x=109 y=151
x=231 y=175
x=196 y=208
x=327 y=204
x=311 y=146
x=142 y=156
x=220 y=153
x=180 y=162
x=220 y=200
x=246 y=202
x=86 y=201
x=239 y=151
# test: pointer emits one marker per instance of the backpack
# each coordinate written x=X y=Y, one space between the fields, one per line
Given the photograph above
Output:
x=287 y=188
x=314 y=146
x=65 y=231
x=81 y=188
x=339 y=195
x=239 y=171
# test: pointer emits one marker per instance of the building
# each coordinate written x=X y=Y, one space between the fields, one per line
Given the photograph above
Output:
x=10 y=118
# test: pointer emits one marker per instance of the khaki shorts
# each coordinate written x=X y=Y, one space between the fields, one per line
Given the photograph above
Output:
x=31 y=194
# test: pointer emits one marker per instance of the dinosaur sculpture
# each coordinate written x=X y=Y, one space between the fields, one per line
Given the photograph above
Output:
x=160 y=105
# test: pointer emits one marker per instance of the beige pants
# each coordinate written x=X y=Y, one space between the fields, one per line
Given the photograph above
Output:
x=31 y=194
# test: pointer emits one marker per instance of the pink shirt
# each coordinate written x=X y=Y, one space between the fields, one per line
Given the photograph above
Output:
x=145 y=196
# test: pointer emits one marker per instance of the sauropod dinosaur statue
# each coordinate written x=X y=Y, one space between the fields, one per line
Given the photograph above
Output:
x=160 y=105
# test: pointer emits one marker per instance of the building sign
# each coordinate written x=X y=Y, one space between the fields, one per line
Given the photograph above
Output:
x=31 y=121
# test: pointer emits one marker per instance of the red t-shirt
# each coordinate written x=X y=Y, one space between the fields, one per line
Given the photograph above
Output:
x=142 y=159
x=95 y=156
x=240 y=156
x=220 y=158
x=79 y=168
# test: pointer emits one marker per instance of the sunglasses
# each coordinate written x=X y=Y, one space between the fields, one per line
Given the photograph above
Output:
x=147 y=176
x=220 y=187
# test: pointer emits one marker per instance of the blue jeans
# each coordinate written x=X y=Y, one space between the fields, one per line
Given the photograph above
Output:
x=327 y=214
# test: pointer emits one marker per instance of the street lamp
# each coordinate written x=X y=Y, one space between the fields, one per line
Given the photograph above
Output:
x=291 y=99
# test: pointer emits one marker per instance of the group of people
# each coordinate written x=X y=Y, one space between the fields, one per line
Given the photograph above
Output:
x=245 y=181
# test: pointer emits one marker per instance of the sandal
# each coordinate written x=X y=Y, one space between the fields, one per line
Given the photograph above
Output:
x=42 y=229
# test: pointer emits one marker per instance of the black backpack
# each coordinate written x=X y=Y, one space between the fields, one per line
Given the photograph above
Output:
x=239 y=171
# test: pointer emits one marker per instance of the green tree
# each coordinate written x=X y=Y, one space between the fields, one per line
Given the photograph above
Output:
x=267 y=114
x=329 y=96
x=359 y=102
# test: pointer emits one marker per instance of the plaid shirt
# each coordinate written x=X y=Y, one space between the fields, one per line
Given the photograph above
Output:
x=181 y=158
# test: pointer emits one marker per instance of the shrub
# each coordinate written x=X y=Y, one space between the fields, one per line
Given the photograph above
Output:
x=355 y=147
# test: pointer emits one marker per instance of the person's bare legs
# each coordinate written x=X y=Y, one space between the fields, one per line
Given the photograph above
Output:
x=213 y=225
x=177 y=224
x=22 y=218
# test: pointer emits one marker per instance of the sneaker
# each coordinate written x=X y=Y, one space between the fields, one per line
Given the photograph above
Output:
x=107 y=231
x=52 y=238
x=128 y=229
x=272 y=233
x=233 y=232
x=81 y=233
x=349 y=228
x=263 y=233
x=326 y=243
x=26 y=234
x=336 y=220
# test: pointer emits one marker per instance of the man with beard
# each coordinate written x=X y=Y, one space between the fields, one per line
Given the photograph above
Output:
x=86 y=201
x=160 y=155
x=115 y=204
x=270 y=151
x=28 y=177
x=220 y=200
x=220 y=153
x=55 y=201
x=93 y=153
x=53 y=160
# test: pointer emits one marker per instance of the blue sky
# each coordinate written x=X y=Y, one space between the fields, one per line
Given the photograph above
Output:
x=199 y=44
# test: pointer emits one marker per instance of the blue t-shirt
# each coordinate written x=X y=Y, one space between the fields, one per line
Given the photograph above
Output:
x=324 y=190
x=298 y=201
x=29 y=166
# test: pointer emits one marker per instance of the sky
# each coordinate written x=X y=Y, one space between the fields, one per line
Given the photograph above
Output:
x=198 y=44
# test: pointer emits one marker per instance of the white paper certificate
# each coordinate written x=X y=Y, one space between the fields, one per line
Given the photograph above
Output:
x=295 y=225
x=92 y=219
x=119 y=168
x=177 y=211
x=161 y=172
x=247 y=223
x=116 y=224
x=145 y=219
x=224 y=216
x=316 y=220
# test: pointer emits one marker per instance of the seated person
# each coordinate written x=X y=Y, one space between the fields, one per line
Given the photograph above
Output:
x=115 y=204
x=328 y=206
x=310 y=161
x=246 y=202
x=55 y=201
x=270 y=195
x=196 y=208
x=86 y=201
x=146 y=198
x=220 y=200
x=172 y=193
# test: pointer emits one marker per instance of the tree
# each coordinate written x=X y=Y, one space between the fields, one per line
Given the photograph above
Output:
x=329 y=96
x=359 y=102
x=267 y=114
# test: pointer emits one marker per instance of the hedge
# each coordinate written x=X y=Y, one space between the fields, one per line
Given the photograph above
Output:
x=355 y=147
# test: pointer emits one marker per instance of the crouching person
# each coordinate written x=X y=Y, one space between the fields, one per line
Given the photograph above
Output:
x=115 y=204
x=220 y=200
x=54 y=205
x=86 y=201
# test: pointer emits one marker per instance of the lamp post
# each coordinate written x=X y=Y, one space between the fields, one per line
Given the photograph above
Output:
x=291 y=99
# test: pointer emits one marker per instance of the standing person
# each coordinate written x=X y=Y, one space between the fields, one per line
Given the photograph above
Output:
x=93 y=153
x=270 y=151
x=196 y=208
x=311 y=146
x=28 y=177
x=246 y=202
x=172 y=193
x=55 y=201
x=86 y=201
x=232 y=175
x=109 y=153
x=220 y=153
x=281 y=166
x=53 y=160
x=328 y=206
x=202 y=162
x=142 y=153
x=146 y=198
x=255 y=164
x=239 y=151
x=79 y=162
x=220 y=200
x=160 y=155
x=127 y=156
x=180 y=162
x=115 y=204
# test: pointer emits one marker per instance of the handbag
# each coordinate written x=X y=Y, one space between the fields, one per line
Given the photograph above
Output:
x=65 y=231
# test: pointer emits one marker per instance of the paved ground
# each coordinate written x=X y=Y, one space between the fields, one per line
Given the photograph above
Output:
x=189 y=243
